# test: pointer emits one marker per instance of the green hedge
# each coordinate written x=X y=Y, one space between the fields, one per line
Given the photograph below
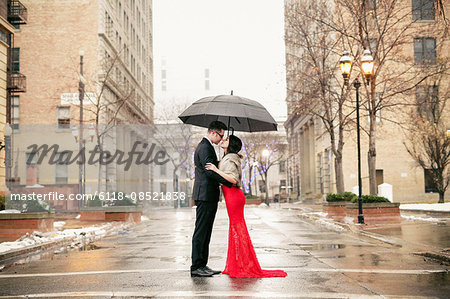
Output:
x=248 y=196
x=2 y=202
x=95 y=202
x=370 y=199
x=27 y=206
x=349 y=196
x=124 y=201
x=346 y=196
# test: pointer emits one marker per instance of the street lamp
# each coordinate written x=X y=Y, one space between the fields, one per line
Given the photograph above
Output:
x=367 y=67
x=346 y=65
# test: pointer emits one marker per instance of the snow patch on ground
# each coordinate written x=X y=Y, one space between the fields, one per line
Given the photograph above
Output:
x=417 y=218
x=10 y=212
x=58 y=224
x=427 y=206
x=144 y=218
x=320 y=214
x=80 y=236
x=330 y=225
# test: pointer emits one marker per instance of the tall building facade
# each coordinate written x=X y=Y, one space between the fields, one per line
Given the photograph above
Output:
x=421 y=48
x=12 y=15
x=101 y=52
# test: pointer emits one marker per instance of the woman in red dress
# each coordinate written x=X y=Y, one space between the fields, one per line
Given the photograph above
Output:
x=241 y=259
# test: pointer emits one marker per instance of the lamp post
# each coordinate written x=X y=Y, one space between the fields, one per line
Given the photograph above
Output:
x=80 y=128
x=367 y=67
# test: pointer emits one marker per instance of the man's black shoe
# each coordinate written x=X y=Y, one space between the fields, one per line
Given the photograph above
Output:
x=201 y=273
x=208 y=269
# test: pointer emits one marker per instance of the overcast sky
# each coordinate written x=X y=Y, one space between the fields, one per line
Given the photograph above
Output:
x=240 y=41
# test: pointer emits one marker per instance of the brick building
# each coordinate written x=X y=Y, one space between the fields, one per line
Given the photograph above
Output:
x=12 y=82
x=110 y=42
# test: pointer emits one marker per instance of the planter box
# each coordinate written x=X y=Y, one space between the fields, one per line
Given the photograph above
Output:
x=374 y=213
x=124 y=213
x=92 y=214
x=253 y=201
x=335 y=210
x=15 y=225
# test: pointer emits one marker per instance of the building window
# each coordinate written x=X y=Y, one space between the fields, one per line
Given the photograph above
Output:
x=163 y=169
x=283 y=186
x=425 y=50
x=15 y=112
x=61 y=168
x=163 y=187
x=427 y=101
x=262 y=186
x=63 y=117
x=380 y=176
x=430 y=183
x=423 y=10
x=282 y=166
x=32 y=174
x=15 y=58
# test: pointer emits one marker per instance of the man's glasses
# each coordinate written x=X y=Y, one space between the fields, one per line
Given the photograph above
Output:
x=221 y=136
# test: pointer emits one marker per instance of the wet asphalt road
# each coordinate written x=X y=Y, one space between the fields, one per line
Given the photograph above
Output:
x=153 y=259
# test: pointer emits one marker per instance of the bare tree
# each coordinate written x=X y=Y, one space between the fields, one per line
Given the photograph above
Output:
x=261 y=152
x=113 y=104
x=175 y=138
x=428 y=140
x=317 y=88
x=385 y=28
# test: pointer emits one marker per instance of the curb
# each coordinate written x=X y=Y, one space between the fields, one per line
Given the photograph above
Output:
x=7 y=256
x=14 y=253
x=442 y=256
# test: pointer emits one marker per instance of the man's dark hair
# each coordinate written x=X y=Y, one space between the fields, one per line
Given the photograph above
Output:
x=216 y=126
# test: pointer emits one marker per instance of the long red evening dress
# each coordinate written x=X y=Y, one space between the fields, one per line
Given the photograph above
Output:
x=241 y=259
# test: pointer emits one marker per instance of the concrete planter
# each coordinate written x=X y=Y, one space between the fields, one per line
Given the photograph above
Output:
x=253 y=201
x=15 y=225
x=335 y=210
x=377 y=212
x=92 y=214
x=124 y=213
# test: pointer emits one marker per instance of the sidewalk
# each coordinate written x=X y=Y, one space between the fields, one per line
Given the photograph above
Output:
x=71 y=233
x=424 y=229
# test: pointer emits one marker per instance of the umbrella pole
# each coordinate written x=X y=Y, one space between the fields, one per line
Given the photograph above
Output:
x=229 y=117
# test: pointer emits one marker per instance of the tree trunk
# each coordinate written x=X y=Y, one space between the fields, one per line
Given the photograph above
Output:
x=339 y=172
x=250 y=170
x=267 y=189
x=174 y=186
x=441 y=197
x=372 y=153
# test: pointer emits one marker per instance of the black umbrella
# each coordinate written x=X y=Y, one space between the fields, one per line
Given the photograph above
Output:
x=238 y=113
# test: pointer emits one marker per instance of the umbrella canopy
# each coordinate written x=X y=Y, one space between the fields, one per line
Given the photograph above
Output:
x=236 y=112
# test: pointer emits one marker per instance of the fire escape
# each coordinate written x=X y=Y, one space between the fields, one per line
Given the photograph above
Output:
x=17 y=15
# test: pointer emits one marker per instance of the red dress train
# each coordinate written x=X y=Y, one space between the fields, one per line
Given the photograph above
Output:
x=241 y=259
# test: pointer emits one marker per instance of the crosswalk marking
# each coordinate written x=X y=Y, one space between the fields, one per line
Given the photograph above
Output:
x=297 y=269
x=209 y=294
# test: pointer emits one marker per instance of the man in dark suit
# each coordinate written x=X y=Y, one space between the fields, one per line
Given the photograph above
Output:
x=206 y=195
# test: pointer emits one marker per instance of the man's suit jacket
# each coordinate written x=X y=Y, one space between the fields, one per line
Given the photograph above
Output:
x=206 y=184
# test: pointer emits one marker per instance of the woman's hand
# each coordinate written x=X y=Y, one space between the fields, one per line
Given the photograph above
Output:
x=210 y=166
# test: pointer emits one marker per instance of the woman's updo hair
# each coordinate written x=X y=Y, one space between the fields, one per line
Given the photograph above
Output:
x=234 y=145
